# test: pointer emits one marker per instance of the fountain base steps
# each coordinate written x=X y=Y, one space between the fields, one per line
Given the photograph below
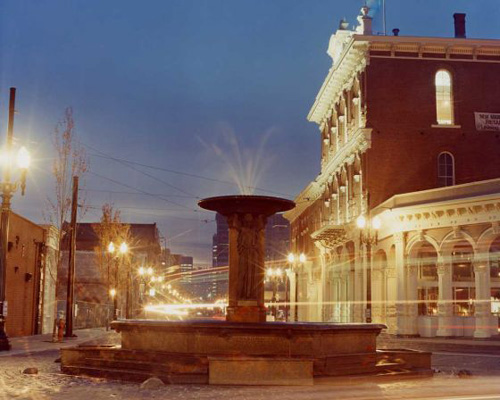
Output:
x=137 y=366
x=222 y=352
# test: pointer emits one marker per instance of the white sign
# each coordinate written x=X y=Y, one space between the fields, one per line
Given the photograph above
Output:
x=487 y=121
x=5 y=308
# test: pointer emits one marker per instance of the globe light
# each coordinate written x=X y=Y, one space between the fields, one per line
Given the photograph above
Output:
x=23 y=158
x=111 y=247
x=302 y=258
x=123 y=248
x=291 y=258
x=141 y=270
x=269 y=272
x=112 y=292
x=376 y=223
x=279 y=272
x=361 y=222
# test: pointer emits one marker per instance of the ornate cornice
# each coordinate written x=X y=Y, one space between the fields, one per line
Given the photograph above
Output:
x=352 y=60
x=330 y=236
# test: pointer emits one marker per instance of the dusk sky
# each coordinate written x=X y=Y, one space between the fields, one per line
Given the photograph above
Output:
x=179 y=85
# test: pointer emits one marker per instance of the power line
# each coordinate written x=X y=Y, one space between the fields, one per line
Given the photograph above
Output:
x=141 y=191
x=126 y=164
x=140 y=194
x=122 y=160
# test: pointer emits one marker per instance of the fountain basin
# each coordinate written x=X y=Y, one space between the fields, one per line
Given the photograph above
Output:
x=264 y=205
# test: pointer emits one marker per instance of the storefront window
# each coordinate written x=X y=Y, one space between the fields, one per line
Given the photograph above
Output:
x=427 y=260
x=427 y=300
x=463 y=301
x=462 y=264
x=495 y=259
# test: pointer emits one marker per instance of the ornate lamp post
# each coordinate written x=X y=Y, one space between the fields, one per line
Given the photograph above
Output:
x=368 y=236
x=274 y=275
x=8 y=188
x=295 y=263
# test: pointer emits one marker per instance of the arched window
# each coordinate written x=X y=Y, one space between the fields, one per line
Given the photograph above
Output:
x=446 y=169
x=444 y=98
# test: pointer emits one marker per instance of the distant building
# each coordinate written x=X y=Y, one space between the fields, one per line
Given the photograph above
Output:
x=401 y=226
x=93 y=305
x=30 y=277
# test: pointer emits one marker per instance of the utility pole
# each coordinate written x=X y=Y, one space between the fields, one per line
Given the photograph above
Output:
x=70 y=307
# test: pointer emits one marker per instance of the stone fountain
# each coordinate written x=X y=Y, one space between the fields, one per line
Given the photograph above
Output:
x=244 y=349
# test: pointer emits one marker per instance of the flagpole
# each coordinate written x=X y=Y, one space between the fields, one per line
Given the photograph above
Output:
x=384 y=17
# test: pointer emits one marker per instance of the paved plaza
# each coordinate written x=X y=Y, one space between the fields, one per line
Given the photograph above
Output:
x=49 y=383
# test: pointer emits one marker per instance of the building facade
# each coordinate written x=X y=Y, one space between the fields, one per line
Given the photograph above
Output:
x=96 y=272
x=400 y=226
x=30 y=277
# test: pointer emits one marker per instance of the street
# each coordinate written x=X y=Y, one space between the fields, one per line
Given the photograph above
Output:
x=49 y=383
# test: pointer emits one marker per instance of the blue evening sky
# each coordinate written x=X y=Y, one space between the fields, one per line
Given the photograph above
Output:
x=184 y=85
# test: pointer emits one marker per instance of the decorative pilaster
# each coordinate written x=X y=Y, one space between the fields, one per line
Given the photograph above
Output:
x=445 y=302
x=482 y=303
x=412 y=299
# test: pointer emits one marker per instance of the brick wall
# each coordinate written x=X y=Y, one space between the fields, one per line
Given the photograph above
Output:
x=401 y=110
x=23 y=274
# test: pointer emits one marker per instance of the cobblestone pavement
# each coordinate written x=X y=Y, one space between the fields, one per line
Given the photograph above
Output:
x=51 y=384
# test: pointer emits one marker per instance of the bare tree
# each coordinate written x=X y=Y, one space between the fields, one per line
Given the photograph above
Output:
x=110 y=229
x=70 y=160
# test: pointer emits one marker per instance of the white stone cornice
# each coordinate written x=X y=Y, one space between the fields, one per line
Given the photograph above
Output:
x=351 y=62
x=453 y=207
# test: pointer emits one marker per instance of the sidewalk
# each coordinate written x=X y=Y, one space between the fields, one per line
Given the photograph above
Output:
x=37 y=343
x=438 y=344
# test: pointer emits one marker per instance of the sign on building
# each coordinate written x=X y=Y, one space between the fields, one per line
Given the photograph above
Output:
x=487 y=121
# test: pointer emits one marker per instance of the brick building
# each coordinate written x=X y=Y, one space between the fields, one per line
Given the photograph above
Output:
x=30 y=277
x=91 y=291
x=401 y=225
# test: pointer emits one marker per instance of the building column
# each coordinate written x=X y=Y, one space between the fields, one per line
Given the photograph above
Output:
x=336 y=296
x=292 y=290
x=358 y=308
x=482 y=304
x=343 y=296
x=400 y=298
x=445 y=302
x=412 y=299
x=391 y=309
x=377 y=295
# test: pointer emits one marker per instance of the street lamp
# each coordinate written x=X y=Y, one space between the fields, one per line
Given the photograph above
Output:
x=122 y=250
x=8 y=187
x=274 y=275
x=368 y=236
x=295 y=263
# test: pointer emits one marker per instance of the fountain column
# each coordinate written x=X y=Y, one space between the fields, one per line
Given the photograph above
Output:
x=246 y=217
x=246 y=268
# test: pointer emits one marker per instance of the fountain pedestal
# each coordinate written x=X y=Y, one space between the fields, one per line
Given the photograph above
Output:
x=246 y=217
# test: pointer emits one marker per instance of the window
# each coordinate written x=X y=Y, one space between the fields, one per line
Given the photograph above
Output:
x=427 y=300
x=427 y=260
x=444 y=98
x=463 y=301
x=462 y=265
x=495 y=259
x=446 y=169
